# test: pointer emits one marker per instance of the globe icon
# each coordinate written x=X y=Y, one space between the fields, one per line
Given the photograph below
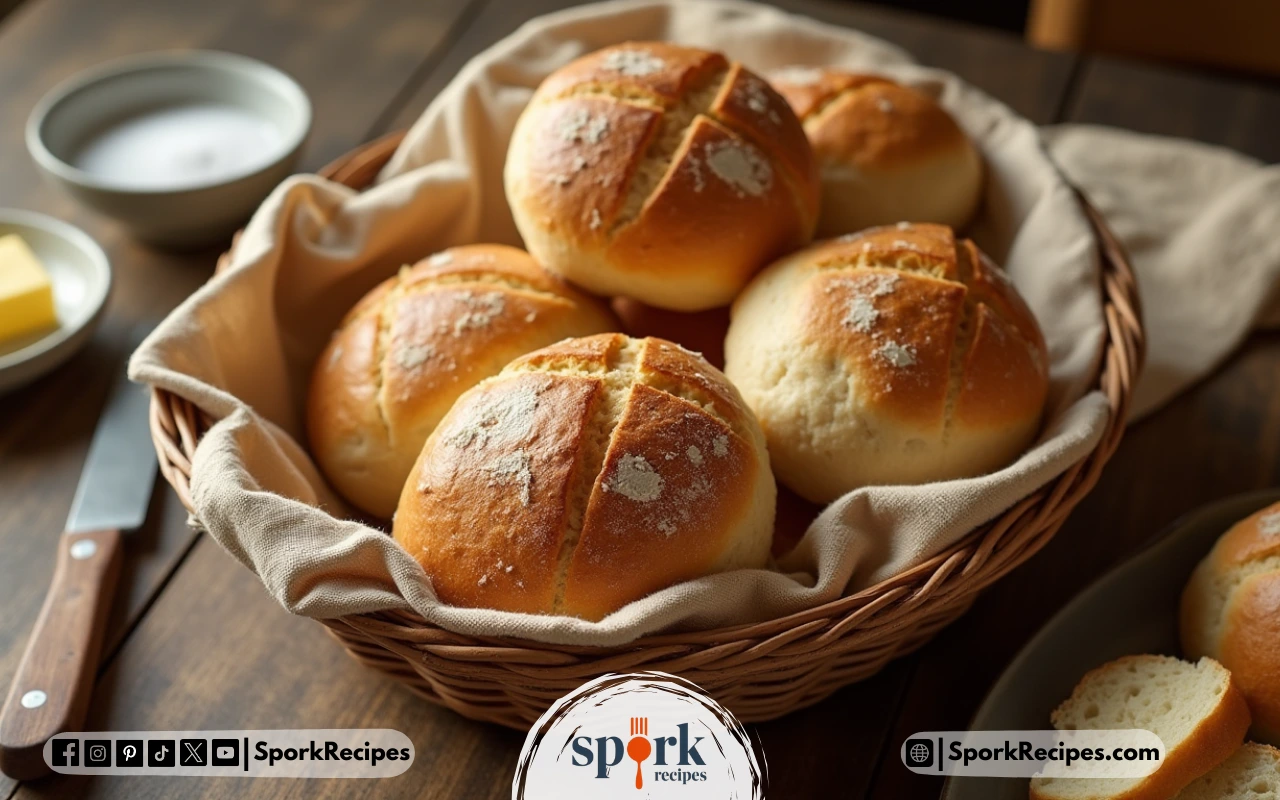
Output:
x=919 y=753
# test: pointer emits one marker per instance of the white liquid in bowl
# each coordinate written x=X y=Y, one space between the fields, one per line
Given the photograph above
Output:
x=180 y=146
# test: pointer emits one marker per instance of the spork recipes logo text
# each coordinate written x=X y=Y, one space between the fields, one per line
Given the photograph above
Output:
x=639 y=735
x=680 y=751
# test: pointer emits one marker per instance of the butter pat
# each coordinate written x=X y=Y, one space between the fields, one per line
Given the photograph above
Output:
x=26 y=293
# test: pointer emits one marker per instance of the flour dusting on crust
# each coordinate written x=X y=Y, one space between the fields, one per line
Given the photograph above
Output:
x=582 y=126
x=897 y=354
x=635 y=479
x=720 y=447
x=1269 y=524
x=413 y=355
x=862 y=315
x=756 y=98
x=513 y=468
x=482 y=310
x=506 y=417
x=633 y=63
x=741 y=166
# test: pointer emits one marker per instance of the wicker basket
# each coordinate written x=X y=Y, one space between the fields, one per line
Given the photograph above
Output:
x=759 y=671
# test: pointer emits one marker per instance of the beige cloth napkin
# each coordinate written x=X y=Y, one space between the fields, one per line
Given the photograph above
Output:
x=1202 y=227
x=242 y=346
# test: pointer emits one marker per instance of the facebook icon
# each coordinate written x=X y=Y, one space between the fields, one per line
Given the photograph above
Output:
x=66 y=752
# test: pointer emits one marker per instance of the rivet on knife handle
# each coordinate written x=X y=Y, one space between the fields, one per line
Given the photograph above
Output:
x=51 y=690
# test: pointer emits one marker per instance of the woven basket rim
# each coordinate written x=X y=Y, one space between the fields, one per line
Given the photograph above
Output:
x=976 y=560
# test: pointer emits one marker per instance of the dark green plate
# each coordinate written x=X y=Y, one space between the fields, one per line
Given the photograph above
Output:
x=1131 y=609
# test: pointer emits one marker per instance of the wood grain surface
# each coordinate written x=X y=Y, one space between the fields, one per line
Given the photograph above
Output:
x=195 y=642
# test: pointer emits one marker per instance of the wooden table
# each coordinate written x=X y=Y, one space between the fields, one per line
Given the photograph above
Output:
x=195 y=642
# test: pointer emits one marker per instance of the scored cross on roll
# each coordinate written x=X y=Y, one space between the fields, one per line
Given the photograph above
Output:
x=899 y=355
x=587 y=475
x=664 y=173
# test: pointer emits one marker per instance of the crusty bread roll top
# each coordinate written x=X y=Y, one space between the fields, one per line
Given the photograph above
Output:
x=900 y=355
x=886 y=152
x=659 y=172
x=1231 y=612
x=411 y=346
x=585 y=476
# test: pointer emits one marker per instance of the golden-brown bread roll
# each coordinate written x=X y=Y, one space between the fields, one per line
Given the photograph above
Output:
x=664 y=173
x=899 y=355
x=587 y=475
x=415 y=343
x=1231 y=612
x=886 y=152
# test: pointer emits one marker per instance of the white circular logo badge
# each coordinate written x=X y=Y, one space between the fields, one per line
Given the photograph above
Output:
x=638 y=735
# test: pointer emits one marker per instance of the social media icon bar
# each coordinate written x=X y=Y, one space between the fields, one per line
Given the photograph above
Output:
x=129 y=752
x=325 y=753
x=97 y=752
x=195 y=753
x=162 y=753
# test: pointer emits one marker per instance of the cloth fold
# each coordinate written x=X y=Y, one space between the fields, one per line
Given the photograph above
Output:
x=241 y=347
x=1201 y=225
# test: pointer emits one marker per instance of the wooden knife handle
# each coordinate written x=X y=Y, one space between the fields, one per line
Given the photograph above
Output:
x=50 y=693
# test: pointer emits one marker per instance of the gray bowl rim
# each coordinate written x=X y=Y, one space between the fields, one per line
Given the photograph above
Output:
x=81 y=241
x=241 y=67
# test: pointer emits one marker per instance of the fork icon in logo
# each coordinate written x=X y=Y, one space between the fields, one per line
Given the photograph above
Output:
x=639 y=748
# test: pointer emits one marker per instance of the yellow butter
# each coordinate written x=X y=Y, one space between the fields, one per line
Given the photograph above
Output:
x=26 y=293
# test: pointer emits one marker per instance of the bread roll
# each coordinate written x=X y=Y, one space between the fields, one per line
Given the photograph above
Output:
x=886 y=152
x=406 y=351
x=587 y=475
x=664 y=173
x=895 y=356
x=1231 y=612
x=1195 y=709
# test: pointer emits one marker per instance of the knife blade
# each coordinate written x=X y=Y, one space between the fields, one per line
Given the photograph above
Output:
x=50 y=692
x=120 y=470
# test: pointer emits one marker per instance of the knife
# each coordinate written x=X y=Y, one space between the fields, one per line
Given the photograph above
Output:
x=50 y=692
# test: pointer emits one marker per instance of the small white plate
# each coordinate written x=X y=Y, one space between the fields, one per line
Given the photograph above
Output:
x=81 y=278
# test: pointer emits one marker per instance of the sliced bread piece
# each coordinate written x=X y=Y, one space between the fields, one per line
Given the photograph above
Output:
x=1195 y=709
x=1251 y=773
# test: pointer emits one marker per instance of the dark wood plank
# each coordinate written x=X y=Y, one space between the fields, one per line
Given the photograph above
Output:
x=352 y=59
x=1220 y=438
x=1033 y=82
x=1234 y=112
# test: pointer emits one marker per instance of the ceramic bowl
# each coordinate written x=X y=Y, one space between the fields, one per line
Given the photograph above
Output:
x=175 y=213
x=81 y=278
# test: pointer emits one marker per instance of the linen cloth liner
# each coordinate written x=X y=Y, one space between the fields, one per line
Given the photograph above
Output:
x=241 y=347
